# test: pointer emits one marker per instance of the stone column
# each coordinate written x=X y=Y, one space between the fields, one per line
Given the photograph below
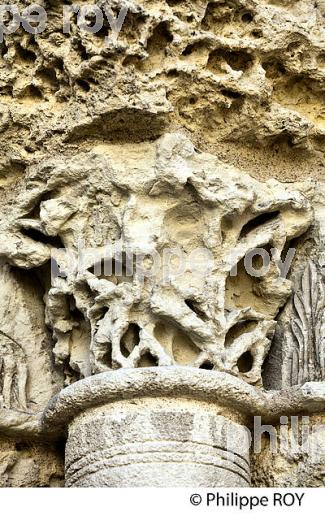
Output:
x=165 y=426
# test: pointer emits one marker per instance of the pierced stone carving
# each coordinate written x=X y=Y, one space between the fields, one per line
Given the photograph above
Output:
x=13 y=370
x=305 y=339
x=156 y=197
x=81 y=168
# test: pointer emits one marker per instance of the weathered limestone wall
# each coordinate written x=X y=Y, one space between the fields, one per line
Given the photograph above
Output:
x=202 y=126
x=26 y=464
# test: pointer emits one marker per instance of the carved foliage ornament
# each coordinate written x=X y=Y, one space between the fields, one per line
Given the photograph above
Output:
x=152 y=197
x=13 y=372
x=306 y=338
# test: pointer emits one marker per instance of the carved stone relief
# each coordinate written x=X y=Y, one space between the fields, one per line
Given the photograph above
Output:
x=162 y=244
x=14 y=373
x=174 y=198
x=81 y=230
x=28 y=378
x=305 y=342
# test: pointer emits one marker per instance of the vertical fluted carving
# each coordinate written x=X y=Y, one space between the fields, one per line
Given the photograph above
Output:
x=306 y=335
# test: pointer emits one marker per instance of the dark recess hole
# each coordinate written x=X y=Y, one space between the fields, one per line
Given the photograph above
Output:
x=83 y=85
x=172 y=3
x=193 y=47
x=102 y=312
x=130 y=339
x=148 y=360
x=247 y=17
x=3 y=49
x=245 y=362
x=238 y=60
x=231 y=94
x=42 y=275
x=34 y=92
x=38 y=236
x=49 y=76
x=207 y=365
x=75 y=313
x=104 y=30
x=34 y=212
x=273 y=69
x=21 y=446
x=107 y=357
x=194 y=307
x=58 y=64
x=25 y=54
x=116 y=267
x=188 y=50
x=160 y=38
x=81 y=49
x=173 y=73
x=258 y=221
x=238 y=329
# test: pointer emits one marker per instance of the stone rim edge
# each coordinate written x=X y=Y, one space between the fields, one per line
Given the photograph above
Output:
x=211 y=386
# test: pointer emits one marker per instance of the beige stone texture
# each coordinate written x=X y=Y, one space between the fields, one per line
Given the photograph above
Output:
x=199 y=128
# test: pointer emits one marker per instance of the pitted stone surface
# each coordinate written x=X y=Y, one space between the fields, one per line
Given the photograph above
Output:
x=200 y=126
x=245 y=78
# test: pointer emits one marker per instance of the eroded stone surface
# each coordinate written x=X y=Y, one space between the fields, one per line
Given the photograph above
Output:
x=169 y=137
x=153 y=199
x=245 y=78
x=30 y=464
x=293 y=464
